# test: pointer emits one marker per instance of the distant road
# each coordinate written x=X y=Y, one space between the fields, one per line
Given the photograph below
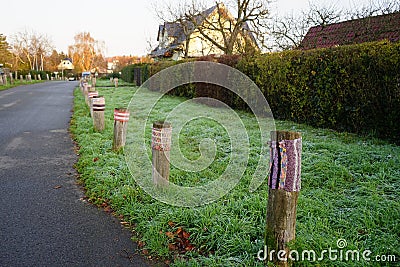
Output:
x=43 y=219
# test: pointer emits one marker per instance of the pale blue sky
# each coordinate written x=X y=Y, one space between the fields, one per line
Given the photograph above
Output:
x=125 y=26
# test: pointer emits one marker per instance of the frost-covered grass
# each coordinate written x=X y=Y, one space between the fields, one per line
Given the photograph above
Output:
x=350 y=189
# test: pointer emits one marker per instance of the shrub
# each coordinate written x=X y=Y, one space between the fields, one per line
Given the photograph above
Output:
x=352 y=88
x=112 y=76
x=349 y=88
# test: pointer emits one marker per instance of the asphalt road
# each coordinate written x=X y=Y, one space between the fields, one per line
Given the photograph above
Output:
x=43 y=219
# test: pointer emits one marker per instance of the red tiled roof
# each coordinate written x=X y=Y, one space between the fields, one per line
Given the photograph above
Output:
x=354 y=31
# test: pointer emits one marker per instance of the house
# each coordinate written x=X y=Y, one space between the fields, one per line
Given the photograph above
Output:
x=383 y=27
x=66 y=64
x=112 y=65
x=175 y=39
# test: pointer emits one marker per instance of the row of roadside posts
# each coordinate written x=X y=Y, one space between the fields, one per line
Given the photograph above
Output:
x=8 y=78
x=284 y=177
x=97 y=106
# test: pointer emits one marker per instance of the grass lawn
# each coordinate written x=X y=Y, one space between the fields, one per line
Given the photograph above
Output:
x=17 y=83
x=349 y=189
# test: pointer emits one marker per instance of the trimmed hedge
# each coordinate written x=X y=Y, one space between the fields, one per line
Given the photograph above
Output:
x=348 y=88
x=136 y=73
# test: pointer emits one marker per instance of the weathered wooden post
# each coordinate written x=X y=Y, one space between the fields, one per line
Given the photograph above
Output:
x=284 y=183
x=94 y=81
x=98 y=106
x=116 y=82
x=161 y=146
x=29 y=77
x=82 y=86
x=39 y=77
x=11 y=79
x=86 y=93
x=90 y=90
x=5 y=79
x=121 y=118
x=91 y=95
x=21 y=78
x=35 y=76
x=1 y=79
x=47 y=76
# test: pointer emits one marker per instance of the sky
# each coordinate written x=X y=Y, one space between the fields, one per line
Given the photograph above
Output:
x=126 y=27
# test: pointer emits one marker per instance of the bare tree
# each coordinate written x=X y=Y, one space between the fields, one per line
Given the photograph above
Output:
x=31 y=48
x=228 y=32
x=323 y=15
x=217 y=26
x=288 y=31
x=174 y=15
x=373 y=8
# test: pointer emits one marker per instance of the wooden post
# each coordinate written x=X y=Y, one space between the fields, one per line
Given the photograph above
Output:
x=1 y=80
x=39 y=77
x=11 y=79
x=5 y=79
x=98 y=106
x=21 y=78
x=91 y=95
x=94 y=82
x=121 y=118
x=83 y=86
x=91 y=89
x=284 y=183
x=47 y=76
x=161 y=145
x=116 y=82
x=86 y=93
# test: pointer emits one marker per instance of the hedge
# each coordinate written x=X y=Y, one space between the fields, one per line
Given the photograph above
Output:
x=136 y=73
x=348 y=88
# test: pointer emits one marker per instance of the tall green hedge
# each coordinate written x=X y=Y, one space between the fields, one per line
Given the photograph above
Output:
x=130 y=73
x=348 y=88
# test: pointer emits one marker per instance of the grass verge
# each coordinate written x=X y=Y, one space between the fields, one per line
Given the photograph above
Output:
x=18 y=83
x=349 y=191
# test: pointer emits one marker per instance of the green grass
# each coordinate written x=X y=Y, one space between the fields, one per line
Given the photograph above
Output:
x=105 y=82
x=349 y=189
x=17 y=83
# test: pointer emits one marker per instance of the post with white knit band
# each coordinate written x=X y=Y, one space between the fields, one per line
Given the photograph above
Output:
x=121 y=118
x=98 y=106
x=284 y=183
x=161 y=146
